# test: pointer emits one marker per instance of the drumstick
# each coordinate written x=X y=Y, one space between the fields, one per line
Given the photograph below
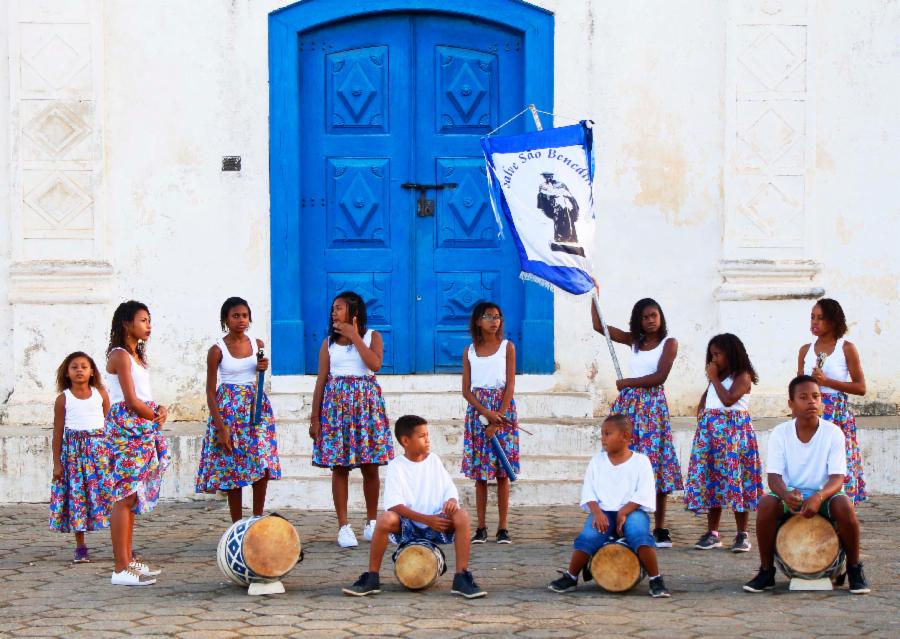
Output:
x=501 y=456
x=258 y=399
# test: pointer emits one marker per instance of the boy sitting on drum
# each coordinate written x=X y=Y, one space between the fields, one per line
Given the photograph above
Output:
x=421 y=503
x=619 y=491
x=806 y=467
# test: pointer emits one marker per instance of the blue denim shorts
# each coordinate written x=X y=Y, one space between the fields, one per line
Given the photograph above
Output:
x=636 y=529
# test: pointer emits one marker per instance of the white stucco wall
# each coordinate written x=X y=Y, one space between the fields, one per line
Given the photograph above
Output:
x=178 y=85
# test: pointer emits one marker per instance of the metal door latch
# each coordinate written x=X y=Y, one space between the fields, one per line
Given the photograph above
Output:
x=424 y=205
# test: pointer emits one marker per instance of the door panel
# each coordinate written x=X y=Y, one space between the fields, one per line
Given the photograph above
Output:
x=355 y=140
x=469 y=79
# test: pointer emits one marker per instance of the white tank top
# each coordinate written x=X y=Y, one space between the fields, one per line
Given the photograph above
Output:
x=835 y=366
x=714 y=403
x=488 y=371
x=346 y=361
x=237 y=370
x=645 y=363
x=84 y=414
x=140 y=376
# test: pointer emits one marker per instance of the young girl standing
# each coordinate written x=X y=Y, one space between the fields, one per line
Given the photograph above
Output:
x=348 y=423
x=79 y=493
x=488 y=384
x=724 y=468
x=643 y=399
x=237 y=452
x=138 y=452
x=834 y=363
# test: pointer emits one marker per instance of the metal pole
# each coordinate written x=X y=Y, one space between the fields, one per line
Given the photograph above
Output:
x=612 y=351
x=537 y=118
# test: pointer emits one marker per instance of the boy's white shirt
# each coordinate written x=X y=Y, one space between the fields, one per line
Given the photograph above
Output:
x=613 y=486
x=806 y=466
x=423 y=486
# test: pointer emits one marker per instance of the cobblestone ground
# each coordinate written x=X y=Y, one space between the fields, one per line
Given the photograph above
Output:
x=44 y=595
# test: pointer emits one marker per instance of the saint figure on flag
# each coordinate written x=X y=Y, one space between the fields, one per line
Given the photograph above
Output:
x=558 y=203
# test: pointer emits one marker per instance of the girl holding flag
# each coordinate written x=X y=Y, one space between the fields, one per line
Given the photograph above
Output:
x=643 y=399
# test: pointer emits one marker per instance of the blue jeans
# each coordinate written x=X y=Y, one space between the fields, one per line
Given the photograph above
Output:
x=636 y=529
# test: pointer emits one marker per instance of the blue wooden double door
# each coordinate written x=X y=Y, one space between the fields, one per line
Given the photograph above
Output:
x=393 y=100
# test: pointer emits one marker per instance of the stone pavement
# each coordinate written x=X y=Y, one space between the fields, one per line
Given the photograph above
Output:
x=44 y=595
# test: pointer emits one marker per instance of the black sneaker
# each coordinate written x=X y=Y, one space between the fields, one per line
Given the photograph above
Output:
x=480 y=536
x=708 y=541
x=464 y=584
x=503 y=536
x=764 y=580
x=367 y=584
x=741 y=543
x=658 y=588
x=663 y=540
x=858 y=583
x=566 y=583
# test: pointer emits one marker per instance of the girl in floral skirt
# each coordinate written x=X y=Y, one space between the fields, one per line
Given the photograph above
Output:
x=834 y=363
x=348 y=423
x=643 y=399
x=488 y=384
x=724 y=468
x=138 y=451
x=80 y=491
x=237 y=452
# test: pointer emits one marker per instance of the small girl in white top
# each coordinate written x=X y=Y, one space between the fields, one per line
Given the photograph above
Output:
x=488 y=384
x=834 y=363
x=236 y=451
x=725 y=468
x=643 y=398
x=79 y=492
x=348 y=423
x=138 y=451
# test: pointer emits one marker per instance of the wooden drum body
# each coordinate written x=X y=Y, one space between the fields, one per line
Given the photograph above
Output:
x=809 y=548
x=258 y=550
x=418 y=564
x=616 y=568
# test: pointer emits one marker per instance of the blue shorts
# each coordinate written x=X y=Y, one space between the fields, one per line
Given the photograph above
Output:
x=636 y=529
x=411 y=531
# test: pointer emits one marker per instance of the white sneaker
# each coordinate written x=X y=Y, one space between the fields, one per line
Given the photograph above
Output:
x=369 y=530
x=129 y=577
x=143 y=569
x=346 y=538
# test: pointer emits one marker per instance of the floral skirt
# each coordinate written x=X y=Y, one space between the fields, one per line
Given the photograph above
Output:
x=355 y=430
x=254 y=449
x=479 y=461
x=725 y=470
x=837 y=411
x=139 y=456
x=652 y=434
x=80 y=500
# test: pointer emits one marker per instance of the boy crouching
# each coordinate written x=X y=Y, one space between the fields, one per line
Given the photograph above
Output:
x=619 y=492
x=421 y=503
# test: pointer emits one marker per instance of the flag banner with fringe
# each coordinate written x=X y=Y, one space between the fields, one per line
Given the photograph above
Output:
x=541 y=183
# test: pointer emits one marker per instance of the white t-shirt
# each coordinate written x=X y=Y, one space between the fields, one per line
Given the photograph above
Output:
x=423 y=486
x=806 y=466
x=613 y=486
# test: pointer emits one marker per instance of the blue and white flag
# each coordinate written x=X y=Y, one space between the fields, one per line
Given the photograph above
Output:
x=543 y=184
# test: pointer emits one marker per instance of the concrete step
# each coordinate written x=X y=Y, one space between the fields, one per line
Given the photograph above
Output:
x=439 y=396
x=315 y=492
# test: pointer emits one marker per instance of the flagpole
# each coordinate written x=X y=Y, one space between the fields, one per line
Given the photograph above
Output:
x=612 y=350
x=596 y=296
